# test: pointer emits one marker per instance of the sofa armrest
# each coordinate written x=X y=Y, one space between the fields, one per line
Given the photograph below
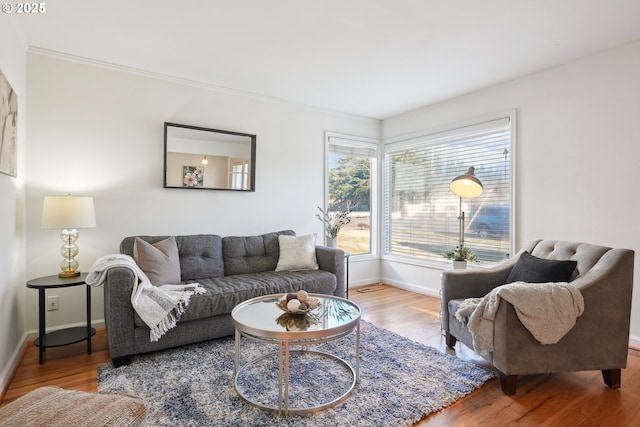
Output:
x=332 y=260
x=457 y=284
x=118 y=311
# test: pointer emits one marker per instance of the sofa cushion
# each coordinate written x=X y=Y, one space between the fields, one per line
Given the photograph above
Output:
x=200 y=255
x=159 y=261
x=224 y=293
x=532 y=269
x=457 y=328
x=253 y=254
x=297 y=253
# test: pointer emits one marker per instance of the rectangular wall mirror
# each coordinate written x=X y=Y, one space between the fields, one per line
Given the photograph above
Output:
x=208 y=159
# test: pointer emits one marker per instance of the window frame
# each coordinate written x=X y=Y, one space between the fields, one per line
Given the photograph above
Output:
x=242 y=175
x=374 y=206
x=430 y=137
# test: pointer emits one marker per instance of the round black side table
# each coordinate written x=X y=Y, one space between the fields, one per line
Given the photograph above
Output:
x=63 y=336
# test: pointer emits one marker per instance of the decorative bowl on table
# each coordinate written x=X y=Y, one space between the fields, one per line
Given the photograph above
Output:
x=299 y=303
x=297 y=322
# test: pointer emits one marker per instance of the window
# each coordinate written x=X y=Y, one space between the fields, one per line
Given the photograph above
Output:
x=240 y=174
x=351 y=186
x=421 y=219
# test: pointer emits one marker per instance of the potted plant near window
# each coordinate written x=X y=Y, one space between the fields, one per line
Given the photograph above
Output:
x=333 y=222
x=460 y=256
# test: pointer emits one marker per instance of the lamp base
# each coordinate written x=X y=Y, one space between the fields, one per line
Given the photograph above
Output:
x=64 y=274
x=69 y=250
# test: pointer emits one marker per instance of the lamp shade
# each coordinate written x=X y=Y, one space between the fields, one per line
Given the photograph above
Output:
x=467 y=185
x=68 y=212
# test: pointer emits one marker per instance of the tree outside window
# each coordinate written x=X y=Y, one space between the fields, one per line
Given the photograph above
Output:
x=351 y=171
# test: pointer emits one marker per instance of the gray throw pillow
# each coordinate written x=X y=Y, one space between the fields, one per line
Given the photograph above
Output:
x=160 y=261
x=532 y=269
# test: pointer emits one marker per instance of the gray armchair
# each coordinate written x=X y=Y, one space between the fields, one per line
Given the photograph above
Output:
x=598 y=341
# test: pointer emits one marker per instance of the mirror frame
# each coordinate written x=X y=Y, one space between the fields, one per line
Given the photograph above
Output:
x=252 y=178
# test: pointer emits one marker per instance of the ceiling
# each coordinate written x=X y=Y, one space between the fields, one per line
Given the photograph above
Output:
x=373 y=58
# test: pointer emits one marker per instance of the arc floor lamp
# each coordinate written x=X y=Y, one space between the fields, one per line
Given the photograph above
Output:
x=468 y=186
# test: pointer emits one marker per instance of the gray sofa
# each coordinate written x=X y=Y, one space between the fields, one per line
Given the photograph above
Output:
x=598 y=341
x=232 y=269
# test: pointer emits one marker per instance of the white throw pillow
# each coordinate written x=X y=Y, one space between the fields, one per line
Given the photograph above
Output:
x=297 y=253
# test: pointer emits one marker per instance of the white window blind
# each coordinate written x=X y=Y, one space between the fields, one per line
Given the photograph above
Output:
x=421 y=213
x=351 y=148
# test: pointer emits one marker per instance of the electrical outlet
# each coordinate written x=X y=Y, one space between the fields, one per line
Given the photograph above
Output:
x=52 y=303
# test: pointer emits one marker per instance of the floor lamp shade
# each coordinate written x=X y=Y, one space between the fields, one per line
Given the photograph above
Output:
x=467 y=185
x=68 y=213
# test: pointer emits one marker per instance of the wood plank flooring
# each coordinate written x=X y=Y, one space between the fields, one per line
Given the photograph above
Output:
x=564 y=399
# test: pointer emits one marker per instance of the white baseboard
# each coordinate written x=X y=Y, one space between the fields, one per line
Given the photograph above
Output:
x=10 y=367
x=412 y=287
x=363 y=282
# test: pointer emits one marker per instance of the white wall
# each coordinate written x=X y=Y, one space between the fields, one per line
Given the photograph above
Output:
x=99 y=131
x=12 y=209
x=578 y=155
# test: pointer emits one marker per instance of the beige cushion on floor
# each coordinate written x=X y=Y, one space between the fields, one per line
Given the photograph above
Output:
x=52 y=406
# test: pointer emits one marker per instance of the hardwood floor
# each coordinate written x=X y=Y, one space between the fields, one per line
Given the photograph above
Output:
x=575 y=399
x=69 y=367
x=563 y=399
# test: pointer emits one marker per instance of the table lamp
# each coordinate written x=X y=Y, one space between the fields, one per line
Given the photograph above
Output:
x=466 y=185
x=68 y=213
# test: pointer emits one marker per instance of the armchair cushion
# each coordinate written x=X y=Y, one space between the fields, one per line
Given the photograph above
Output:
x=532 y=269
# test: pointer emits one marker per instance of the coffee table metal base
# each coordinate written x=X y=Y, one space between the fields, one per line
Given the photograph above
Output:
x=283 y=354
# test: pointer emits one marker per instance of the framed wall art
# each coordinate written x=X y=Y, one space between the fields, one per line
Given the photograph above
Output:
x=193 y=176
x=8 y=128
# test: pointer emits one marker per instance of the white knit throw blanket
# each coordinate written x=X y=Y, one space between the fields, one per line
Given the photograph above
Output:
x=547 y=310
x=160 y=307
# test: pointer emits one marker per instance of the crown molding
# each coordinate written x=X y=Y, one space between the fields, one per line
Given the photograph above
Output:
x=179 y=80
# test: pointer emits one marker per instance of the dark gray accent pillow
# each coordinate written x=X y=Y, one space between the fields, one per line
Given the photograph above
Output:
x=532 y=269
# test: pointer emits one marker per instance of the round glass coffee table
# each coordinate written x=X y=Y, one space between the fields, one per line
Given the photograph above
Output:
x=260 y=319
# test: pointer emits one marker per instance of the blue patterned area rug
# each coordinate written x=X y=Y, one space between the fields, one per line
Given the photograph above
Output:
x=401 y=382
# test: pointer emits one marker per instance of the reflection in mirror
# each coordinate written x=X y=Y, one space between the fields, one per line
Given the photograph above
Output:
x=213 y=159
